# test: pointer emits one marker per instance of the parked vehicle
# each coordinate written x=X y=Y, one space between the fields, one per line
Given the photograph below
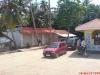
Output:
x=71 y=43
x=55 y=49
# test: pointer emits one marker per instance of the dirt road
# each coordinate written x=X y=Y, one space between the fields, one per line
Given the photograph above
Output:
x=33 y=63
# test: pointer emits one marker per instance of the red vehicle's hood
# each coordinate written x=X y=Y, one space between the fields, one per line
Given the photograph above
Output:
x=50 y=49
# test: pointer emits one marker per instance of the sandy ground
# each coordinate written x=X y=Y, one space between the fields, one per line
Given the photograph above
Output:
x=33 y=63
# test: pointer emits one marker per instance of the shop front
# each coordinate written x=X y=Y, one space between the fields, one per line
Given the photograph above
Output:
x=91 y=32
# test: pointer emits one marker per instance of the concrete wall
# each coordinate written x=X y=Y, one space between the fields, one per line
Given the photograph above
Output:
x=24 y=39
x=17 y=36
x=47 y=38
x=27 y=39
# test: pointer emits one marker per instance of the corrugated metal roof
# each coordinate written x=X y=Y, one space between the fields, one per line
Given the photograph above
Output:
x=64 y=33
x=91 y=25
x=61 y=31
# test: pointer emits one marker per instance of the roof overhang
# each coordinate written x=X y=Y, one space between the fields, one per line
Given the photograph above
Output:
x=38 y=30
x=89 y=26
x=66 y=35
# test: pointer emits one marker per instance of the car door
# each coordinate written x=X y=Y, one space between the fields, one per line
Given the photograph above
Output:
x=61 y=48
x=58 y=49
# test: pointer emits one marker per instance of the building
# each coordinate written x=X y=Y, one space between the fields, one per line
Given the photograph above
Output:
x=28 y=36
x=31 y=36
x=91 y=31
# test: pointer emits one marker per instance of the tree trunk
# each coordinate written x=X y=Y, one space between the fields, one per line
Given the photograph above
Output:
x=68 y=32
x=11 y=40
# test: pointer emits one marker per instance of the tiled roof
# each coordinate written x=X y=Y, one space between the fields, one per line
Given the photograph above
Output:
x=38 y=30
x=62 y=33
x=91 y=25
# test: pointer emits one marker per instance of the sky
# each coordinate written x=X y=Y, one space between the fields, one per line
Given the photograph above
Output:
x=54 y=2
x=96 y=1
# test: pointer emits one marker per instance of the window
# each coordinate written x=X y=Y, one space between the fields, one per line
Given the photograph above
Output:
x=53 y=45
x=62 y=44
x=96 y=37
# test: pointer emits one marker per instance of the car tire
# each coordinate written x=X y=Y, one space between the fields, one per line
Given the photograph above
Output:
x=56 y=55
x=65 y=52
x=44 y=55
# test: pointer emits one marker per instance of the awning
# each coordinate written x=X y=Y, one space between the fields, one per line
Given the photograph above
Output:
x=66 y=35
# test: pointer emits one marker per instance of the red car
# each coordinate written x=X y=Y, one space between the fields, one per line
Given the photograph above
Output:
x=55 y=49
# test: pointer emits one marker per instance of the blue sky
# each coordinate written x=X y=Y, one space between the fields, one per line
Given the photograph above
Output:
x=54 y=2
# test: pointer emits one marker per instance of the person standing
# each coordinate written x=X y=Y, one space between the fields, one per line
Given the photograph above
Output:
x=83 y=45
x=78 y=43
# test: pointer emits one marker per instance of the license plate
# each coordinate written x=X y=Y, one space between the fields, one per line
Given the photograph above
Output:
x=47 y=54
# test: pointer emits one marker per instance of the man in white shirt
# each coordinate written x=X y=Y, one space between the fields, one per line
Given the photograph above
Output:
x=83 y=43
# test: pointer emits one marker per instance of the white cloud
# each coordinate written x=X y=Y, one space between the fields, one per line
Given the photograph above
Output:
x=54 y=2
x=97 y=2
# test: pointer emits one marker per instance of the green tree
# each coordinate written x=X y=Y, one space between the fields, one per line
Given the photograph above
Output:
x=41 y=14
x=92 y=11
x=69 y=15
x=12 y=13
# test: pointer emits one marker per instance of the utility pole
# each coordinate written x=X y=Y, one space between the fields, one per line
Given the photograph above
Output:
x=50 y=20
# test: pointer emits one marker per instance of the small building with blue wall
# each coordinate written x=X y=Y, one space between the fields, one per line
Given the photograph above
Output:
x=91 y=32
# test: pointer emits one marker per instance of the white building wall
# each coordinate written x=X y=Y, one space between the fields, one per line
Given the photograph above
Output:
x=22 y=39
x=27 y=39
x=34 y=40
x=17 y=36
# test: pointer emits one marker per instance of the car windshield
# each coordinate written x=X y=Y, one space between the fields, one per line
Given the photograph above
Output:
x=53 y=45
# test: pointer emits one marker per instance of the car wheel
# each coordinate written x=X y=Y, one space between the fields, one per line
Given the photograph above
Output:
x=65 y=52
x=56 y=55
x=44 y=55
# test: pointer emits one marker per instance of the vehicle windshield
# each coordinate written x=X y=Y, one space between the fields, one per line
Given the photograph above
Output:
x=53 y=45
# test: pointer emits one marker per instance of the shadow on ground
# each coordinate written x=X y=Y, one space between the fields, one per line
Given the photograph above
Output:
x=91 y=55
x=49 y=57
x=9 y=51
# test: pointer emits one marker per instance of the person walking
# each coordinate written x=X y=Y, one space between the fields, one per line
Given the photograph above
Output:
x=83 y=48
